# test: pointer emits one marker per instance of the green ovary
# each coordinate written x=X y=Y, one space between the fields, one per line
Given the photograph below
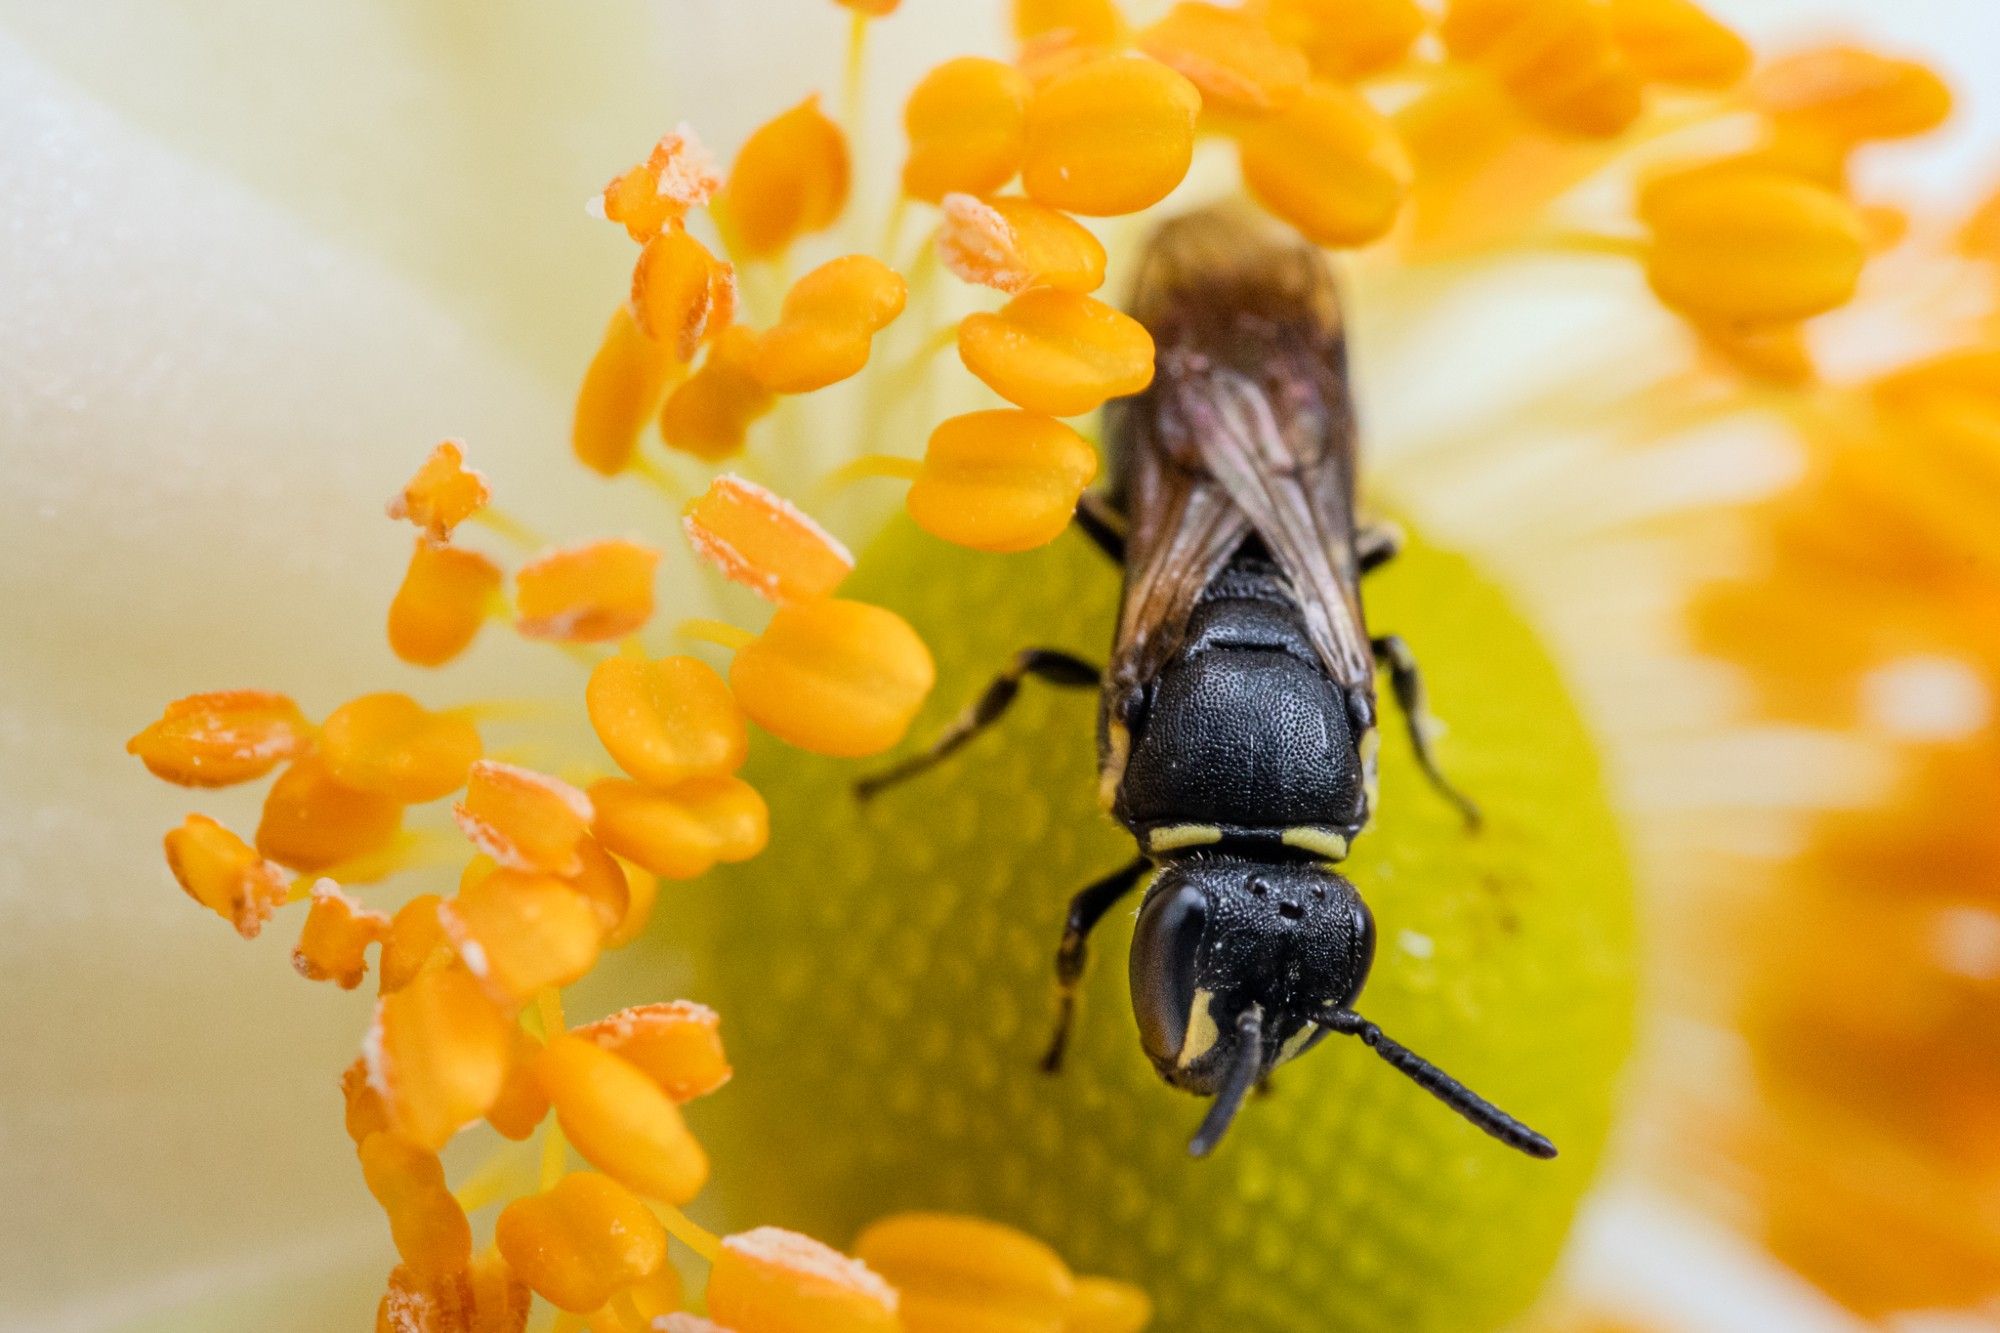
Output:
x=886 y=976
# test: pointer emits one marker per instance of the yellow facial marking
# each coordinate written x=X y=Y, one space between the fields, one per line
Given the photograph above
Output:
x=1201 y=1031
x=1119 y=749
x=1295 y=1045
x=1176 y=836
x=1370 y=749
x=1320 y=842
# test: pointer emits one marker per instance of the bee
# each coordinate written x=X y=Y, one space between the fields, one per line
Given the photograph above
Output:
x=1237 y=727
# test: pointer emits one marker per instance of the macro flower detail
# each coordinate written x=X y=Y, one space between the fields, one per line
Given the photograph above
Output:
x=684 y=807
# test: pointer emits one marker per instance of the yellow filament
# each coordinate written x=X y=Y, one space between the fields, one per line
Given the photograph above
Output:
x=687 y=1231
x=868 y=467
x=504 y=524
x=720 y=632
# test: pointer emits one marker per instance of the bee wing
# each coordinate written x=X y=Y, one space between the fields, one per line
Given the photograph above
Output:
x=1290 y=472
x=1185 y=528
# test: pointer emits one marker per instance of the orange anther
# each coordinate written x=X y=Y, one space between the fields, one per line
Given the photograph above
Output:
x=872 y=8
x=1750 y=246
x=1230 y=57
x=775 y=1281
x=437 y=1055
x=834 y=677
x=642 y=890
x=678 y=175
x=965 y=121
x=1111 y=135
x=581 y=1242
x=520 y=932
x=603 y=883
x=488 y=1299
x=789 y=180
x=678 y=1044
x=393 y=746
x=1104 y=1305
x=621 y=392
x=225 y=874
x=1001 y=480
x=523 y=819
x=949 y=1270
x=586 y=594
x=443 y=494
x=683 y=832
x=1678 y=42
x=333 y=945
x=827 y=324
x=430 y=1230
x=1056 y=352
x=443 y=601
x=709 y=414
x=621 y=1121
x=219 y=739
x=1348 y=39
x=681 y=292
x=1853 y=95
x=1015 y=244
x=521 y=1105
x=1331 y=166
x=414 y=938
x=1091 y=22
x=763 y=541
x=312 y=821
x=364 y=1112
x=1556 y=58
x=666 y=721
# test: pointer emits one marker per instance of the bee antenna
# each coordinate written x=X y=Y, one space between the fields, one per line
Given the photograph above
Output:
x=1242 y=1074
x=1439 y=1084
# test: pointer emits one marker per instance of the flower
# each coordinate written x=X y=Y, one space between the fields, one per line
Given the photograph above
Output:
x=1527 y=100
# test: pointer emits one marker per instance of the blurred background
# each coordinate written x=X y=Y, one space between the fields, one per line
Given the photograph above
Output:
x=257 y=256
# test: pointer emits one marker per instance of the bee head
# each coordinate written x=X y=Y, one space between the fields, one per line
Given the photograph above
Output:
x=1221 y=937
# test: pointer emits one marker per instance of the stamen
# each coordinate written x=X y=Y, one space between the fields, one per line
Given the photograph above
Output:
x=768 y=1278
x=225 y=874
x=1109 y=136
x=580 y=1243
x=966 y=122
x=678 y=1044
x=442 y=603
x=762 y=541
x=312 y=822
x=586 y=594
x=1235 y=61
x=1057 y=353
x=443 y=494
x=829 y=320
x=1001 y=480
x=1331 y=165
x=621 y=1122
x=834 y=677
x=666 y=721
x=1015 y=244
x=221 y=739
x=621 y=392
x=790 y=180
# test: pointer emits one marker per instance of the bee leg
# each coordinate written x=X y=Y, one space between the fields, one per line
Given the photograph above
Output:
x=1408 y=684
x=1100 y=521
x=1377 y=544
x=1049 y=664
x=1085 y=911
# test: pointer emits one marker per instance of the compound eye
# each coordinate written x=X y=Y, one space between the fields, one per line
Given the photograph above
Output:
x=1166 y=952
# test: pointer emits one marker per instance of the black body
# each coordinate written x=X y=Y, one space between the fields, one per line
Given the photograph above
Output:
x=1237 y=725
